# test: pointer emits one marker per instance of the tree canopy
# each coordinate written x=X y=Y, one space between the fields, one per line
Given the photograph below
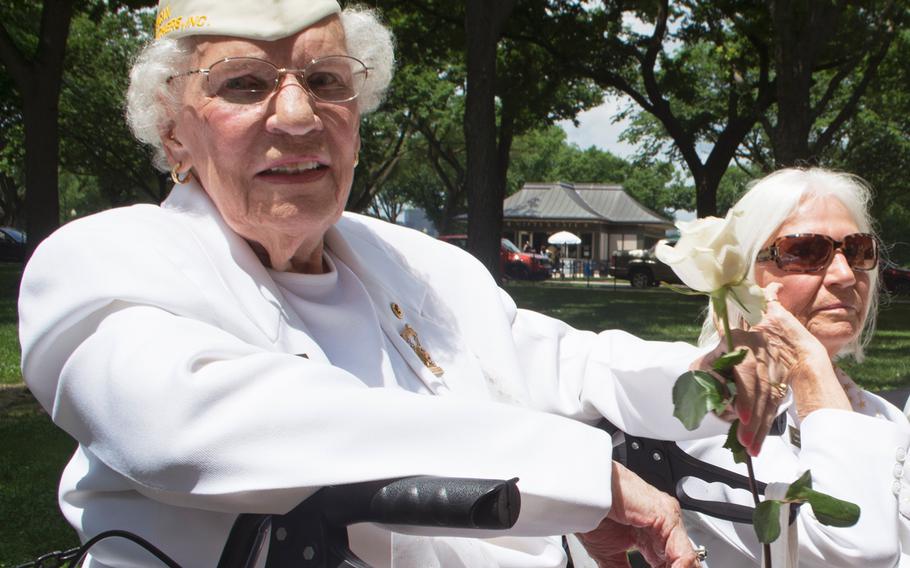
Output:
x=720 y=92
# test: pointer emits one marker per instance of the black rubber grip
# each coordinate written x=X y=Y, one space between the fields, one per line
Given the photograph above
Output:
x=425 y=501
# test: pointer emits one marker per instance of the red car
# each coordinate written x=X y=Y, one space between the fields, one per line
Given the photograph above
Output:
x=896 y=279
x=512 y=262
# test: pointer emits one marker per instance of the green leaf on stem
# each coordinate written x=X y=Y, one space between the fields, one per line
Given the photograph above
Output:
x=833 y=511
x=694 y=395
x=799 y=490
x=729 y=360
x=732 y=443
x=766 y=520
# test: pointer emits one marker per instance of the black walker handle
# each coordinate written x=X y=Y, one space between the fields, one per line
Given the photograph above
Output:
x=314 y=534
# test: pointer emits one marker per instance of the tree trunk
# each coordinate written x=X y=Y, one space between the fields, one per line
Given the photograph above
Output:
x=38 y=81
x=485 y=186
x=42 y=153
x=801 y=27
x=705 y=193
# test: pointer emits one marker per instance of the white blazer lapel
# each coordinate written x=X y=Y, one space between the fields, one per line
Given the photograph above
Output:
x=427 y=339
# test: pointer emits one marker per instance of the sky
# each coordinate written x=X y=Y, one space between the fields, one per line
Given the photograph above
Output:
x=596 y=128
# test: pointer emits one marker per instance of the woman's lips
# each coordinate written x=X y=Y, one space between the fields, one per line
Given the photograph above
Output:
x=832 y=307
x=299 y=172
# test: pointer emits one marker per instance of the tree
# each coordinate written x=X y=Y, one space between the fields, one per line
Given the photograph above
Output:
x=12 y=149
x=96 y=144
x=508 y=87
x=825 y=56
x=545 y=155
x=36 y=71
x=33 y=59
x=486 y=157
x=876 y=146
x=701 y=72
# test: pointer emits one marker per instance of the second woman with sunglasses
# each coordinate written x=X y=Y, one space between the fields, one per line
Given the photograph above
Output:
x=809 y=233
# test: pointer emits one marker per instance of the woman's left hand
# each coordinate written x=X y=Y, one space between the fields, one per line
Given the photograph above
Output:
x=799 y=360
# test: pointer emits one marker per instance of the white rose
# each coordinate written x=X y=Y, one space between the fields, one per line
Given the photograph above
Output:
x=750 y=297
x=708 y=257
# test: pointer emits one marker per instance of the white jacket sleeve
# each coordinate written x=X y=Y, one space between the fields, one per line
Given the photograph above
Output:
x=852 y=457
x=612 y=375
x=124 y=351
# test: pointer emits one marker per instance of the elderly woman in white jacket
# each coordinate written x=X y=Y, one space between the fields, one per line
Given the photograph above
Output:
x=809 y=233
x=247 y=342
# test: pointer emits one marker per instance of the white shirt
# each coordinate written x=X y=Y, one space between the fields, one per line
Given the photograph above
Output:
x=337 y=310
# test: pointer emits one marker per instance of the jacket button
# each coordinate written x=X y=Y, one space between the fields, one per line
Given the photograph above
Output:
x=396 y=309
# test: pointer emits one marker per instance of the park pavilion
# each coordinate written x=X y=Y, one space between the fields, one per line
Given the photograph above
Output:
x=604 y=216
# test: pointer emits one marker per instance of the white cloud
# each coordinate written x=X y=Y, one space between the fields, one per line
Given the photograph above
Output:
x=596 y=128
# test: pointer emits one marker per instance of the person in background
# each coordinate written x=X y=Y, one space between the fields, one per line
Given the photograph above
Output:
x=810 y=235
x=247 y=342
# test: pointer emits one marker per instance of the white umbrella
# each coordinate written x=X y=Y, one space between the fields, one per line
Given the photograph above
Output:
x=564 y=238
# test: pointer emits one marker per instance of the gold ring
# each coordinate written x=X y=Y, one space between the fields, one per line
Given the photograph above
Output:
x=779 y=390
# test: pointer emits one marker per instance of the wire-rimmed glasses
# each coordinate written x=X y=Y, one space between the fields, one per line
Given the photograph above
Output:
x=250 y=80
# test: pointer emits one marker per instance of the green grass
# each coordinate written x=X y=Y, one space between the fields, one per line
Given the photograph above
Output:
x=32 y=456
x=9 y=338
x=662 y=314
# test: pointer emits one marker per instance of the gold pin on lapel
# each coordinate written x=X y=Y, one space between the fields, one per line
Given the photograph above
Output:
x=410 y=336
x=396 y=309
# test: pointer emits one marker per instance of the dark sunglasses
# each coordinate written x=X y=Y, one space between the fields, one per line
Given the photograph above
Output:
x=809 y=252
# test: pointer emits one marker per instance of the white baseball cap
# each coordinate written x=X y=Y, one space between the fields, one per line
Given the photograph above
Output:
x=251 y=19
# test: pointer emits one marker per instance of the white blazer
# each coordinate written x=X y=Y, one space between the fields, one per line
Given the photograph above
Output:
x=857 y=456
x=156 y=338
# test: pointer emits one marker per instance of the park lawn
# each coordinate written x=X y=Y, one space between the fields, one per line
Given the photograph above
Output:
x=32 y=456
x=34 y=452
x=10 y=274
x=662 y=314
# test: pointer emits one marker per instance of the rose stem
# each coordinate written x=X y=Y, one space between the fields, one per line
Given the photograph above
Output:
x=766 y=548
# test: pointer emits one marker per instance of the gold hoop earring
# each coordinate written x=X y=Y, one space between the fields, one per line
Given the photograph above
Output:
x=175 y=175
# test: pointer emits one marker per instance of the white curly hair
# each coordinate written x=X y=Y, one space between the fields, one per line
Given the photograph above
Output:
x=149 y=100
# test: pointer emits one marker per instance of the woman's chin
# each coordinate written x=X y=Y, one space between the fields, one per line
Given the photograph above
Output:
x=834 y=341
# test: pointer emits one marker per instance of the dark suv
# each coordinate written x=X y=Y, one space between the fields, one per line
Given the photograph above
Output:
x=641 y=268
x=513 y=263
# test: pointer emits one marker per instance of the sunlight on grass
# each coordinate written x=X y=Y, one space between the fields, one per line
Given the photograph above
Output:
x=661 y=314
x=32 y=457
x=9 y=337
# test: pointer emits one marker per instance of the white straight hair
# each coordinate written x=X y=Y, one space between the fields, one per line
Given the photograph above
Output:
x=769 y=203
x=150 y=101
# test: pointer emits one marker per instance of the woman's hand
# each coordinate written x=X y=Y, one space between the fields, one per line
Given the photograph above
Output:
x=644 y=518
x=800 y=360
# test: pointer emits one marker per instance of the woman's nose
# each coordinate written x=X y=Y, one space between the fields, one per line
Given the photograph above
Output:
x=293 y=111
x=839 y=271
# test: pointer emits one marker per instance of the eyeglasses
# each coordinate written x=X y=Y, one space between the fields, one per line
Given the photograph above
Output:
x=248 y=80
x=809 y=252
